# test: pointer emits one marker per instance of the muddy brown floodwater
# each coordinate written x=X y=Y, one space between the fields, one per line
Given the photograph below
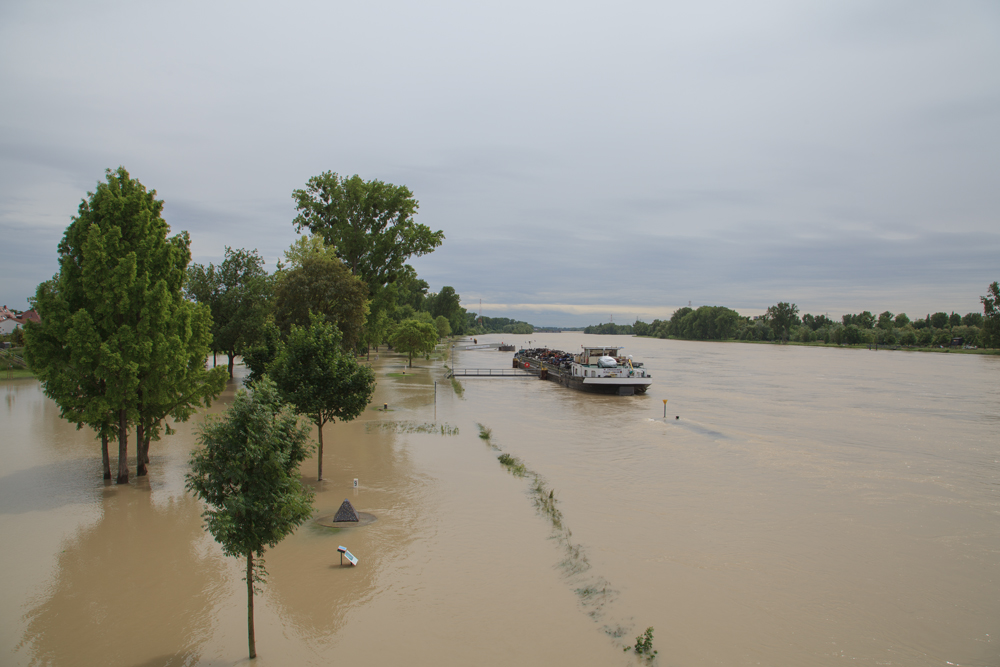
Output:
x=810 y=507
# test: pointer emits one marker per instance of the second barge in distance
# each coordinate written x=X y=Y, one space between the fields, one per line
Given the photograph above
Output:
x=597 y=368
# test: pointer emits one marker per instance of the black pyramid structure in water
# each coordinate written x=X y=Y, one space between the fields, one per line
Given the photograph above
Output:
x=346 y=512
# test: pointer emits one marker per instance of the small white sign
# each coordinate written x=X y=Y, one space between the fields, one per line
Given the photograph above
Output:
x=345 y=553
x=355 y=482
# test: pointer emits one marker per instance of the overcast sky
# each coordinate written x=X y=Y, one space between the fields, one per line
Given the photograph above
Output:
x=583 y=159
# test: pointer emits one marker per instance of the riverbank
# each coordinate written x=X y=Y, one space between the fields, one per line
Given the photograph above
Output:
x=865 y=346
x=15 y=373
x=872 y=347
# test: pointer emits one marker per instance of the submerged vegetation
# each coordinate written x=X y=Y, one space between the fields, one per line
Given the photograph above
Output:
x=644 y=645
x=513 y=465
x=594 y=592
x=411 y=427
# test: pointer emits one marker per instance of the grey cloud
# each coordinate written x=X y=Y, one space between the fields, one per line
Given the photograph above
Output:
x=725 y=153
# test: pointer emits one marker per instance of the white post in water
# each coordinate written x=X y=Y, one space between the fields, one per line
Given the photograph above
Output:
x=664 y=408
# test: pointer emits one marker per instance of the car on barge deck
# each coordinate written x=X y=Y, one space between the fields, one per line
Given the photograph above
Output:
x=598 y=368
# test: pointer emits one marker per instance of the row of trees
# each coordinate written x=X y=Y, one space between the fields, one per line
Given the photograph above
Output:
x=612 y=329
x=350 y=268
x=126 y=324
x=126 y=327
x=704 y=323
x=479 y=326
x=781 y=322
x=254 y=310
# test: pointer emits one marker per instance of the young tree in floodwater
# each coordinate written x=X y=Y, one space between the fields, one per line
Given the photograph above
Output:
x=322 y=381
x=414 y=337
x=247 y=473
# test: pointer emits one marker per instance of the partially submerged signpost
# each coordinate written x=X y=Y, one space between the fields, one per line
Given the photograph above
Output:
x=352 y=559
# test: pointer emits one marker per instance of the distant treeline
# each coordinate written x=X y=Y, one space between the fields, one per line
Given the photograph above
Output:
x=484 y=325
x=781 y=322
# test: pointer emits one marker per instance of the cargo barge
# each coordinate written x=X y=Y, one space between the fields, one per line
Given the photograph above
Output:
x=597 y=368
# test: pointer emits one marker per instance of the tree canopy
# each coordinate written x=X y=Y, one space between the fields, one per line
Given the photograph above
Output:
x=321 y=284
x=447 y=304
x=370 y=223
x=782 y=317
x=414 y=337
x=442 y=326
x=247 y=473
x=238 y=293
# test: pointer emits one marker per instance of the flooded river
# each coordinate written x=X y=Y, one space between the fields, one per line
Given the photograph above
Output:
x=809 y=507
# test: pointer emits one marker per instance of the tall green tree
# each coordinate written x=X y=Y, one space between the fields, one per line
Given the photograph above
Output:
x=322 y=285
x=442 y=326
x=114 y=327
x=246 y=471
x=414 y=337
x=447 y=304
x=320 y=379
x=782 y=317
x=991 y=316
x=370 y=223
x=239 y=293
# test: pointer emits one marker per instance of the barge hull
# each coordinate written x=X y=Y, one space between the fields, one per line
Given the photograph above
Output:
x=616 y=386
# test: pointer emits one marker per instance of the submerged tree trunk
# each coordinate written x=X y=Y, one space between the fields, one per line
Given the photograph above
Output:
x=214 y=353
x=250 y=638
x=319 y=427
x=231 y=355
x=105 y=458
x=122 y=447
x=140 y=460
